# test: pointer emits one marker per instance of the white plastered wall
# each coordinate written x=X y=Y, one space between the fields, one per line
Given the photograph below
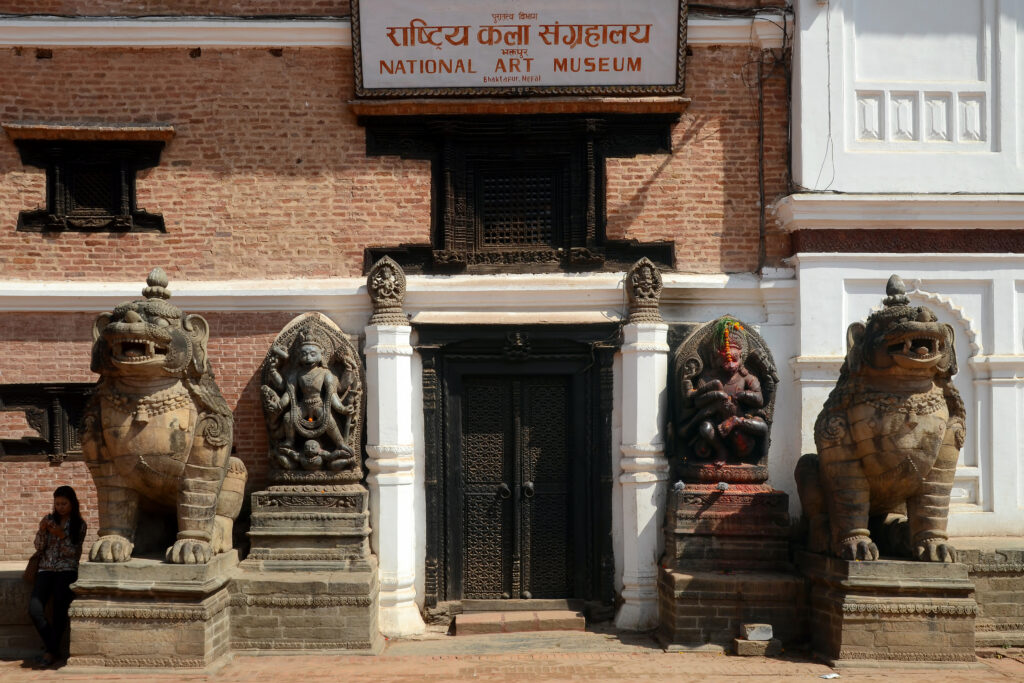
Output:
x=909 y=96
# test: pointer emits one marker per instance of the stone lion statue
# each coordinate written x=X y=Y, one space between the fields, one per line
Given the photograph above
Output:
x=888 y=440
x=157 y=432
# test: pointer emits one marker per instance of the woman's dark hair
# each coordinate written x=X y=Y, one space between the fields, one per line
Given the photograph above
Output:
x=77 y=523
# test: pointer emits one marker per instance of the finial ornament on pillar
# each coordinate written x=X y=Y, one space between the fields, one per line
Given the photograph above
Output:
x=386 y=286
x=643 y=286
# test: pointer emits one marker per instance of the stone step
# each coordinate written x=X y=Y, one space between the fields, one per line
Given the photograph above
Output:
x=477 y=623
x=1000 y=639
x=525 y=605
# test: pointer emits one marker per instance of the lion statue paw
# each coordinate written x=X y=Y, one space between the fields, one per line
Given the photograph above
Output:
x=112 y=548
x=189 y=551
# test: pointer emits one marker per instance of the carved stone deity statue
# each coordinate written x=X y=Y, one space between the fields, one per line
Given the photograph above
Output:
x=643 y=288
x=312 y=397
x=725 y=383
x=888 y=440
x=157 y=432
x=385 y=284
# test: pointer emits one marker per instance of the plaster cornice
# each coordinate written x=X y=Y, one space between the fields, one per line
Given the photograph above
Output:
x=813 y=211
x=522 y=295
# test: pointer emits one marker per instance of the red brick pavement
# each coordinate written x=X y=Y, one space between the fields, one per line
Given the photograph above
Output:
x=505 y=658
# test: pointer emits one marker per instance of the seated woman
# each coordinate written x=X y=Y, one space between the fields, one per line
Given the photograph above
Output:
x=59 y=540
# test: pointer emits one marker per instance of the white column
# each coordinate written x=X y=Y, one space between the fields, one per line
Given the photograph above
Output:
x=389 y=444
x=644 y=470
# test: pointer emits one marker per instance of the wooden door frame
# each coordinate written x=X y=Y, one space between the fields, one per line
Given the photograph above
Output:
x=590 y=349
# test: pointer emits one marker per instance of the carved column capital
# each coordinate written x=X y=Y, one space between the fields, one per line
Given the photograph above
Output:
x=643 y=286
x=386 y=286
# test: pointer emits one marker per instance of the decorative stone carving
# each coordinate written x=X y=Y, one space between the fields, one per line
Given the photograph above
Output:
x=157 y=432
x=643 y=287
x=386 y=285
x=888 y=439
x=725 y=382
x=312 y=391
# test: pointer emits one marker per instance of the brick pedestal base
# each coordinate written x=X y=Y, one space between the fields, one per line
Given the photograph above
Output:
x=889 y=610
x=702 y=608
x=726 y=563
x=146 y=613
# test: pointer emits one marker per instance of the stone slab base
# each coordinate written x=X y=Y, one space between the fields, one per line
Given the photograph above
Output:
x=147 y=614
x=702 y=607
x=18 y=638
x=997 y=571
x=1001 y=639
x=889 y=610
x=305 y=610
x=476 y=623
x=757 y=648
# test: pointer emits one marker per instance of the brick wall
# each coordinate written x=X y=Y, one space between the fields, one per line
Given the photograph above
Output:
x=55 y=348
x=705 y=196
x=267 y=174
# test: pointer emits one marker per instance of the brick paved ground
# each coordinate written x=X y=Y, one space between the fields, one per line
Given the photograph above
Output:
x=593 y=656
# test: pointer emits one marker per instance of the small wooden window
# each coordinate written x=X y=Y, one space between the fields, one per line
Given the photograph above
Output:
x=90 y=185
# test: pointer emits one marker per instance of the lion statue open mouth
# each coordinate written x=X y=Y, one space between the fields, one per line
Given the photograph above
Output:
x=157 y=432
x=888 y=440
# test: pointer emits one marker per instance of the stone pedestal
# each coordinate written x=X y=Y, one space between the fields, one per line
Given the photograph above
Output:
x=726 y=564
x=996 y=568
x=889 y=610
x=146 y=613
x=310 y=581
x=743 y=527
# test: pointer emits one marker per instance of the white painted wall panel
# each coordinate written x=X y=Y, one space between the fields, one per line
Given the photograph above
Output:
x=909 y=96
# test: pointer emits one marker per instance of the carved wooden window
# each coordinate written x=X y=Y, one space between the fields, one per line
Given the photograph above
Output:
x=90 y=185
x=519 y=194
x=53 y=411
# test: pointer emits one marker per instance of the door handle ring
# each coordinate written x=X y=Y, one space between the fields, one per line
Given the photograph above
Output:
x=504 y=491
x=528 y=489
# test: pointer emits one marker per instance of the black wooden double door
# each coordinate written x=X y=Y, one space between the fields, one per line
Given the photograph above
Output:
x=517 y=486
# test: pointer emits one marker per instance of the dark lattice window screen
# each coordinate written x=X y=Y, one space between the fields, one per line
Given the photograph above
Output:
x=90 y=185
x=94 y=189
x=517 y=209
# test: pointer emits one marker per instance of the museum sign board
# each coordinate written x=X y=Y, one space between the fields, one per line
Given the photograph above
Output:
x=411 y=48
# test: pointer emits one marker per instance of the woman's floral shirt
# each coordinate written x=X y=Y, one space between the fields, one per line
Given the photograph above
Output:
x=59 y=554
